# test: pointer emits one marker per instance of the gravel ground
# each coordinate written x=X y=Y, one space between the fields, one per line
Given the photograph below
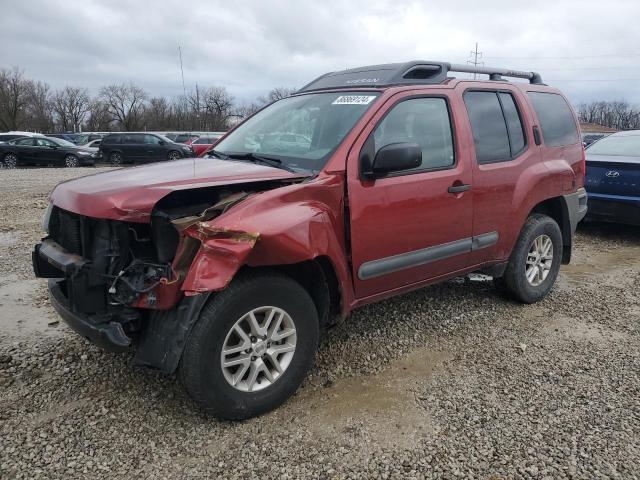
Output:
x=447 y=382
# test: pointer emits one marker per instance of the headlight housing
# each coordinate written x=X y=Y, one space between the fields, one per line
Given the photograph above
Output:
x=47 y=217
x=82 y=153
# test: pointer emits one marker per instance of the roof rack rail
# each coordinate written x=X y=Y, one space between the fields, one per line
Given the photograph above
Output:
x=409 y=73
x=497 y=73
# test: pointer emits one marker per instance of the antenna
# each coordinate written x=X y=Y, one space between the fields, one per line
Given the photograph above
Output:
x=473 y=60
x=184 y=89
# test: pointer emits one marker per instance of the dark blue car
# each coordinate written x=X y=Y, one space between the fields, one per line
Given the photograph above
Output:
x=613 y=178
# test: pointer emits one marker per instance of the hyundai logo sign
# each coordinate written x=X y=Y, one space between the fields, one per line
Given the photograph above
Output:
x=612 y=174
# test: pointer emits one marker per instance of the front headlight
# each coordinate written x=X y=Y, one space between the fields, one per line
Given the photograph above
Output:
x=47 y=217
x=84 y=154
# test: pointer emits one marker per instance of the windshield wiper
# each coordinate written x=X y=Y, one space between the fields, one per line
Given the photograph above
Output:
x=253 y=157
x=217 y=154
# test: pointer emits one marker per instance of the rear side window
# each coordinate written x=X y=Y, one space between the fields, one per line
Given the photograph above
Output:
x=514 y=124
x=556 y=120
x=112 y=139
x=132 y=139
x=496 y=126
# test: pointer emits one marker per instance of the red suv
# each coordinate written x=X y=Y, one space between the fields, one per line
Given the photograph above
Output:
x=365 y=184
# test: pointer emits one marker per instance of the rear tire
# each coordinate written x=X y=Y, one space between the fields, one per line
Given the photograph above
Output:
x=229 y=391
x=535 y=261
x=10 y=161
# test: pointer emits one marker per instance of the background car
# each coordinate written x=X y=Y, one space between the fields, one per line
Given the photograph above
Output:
x=202 y=144
x=93 y=143
x=69 y=137
x=85 y=138
x=131 y=147
x=40 y=150
x=613 y=178
x=5 y=137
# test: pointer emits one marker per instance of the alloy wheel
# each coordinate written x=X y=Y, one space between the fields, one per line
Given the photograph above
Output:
x=174 y=156
x=10 y=161
x=539 y=260
x=71 y=161
x=258 y=348
x=115 y=159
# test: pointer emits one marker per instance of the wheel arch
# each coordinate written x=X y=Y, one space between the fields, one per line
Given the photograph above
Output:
x=319 y=278
x=557 y=208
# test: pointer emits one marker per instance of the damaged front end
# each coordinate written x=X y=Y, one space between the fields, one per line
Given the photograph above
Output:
x=117 y=282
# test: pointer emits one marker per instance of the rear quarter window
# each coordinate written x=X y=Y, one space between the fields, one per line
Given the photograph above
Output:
x=556 y=120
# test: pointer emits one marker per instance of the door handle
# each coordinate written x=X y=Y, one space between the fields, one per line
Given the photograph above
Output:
x=459 y=188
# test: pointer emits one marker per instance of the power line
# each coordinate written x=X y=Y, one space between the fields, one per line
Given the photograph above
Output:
x=595 y=80
x=568 y=57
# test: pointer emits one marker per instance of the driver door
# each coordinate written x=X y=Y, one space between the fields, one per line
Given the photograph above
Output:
x=414 y=225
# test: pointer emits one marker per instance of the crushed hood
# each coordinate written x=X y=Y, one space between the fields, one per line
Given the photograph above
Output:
x=131 y=193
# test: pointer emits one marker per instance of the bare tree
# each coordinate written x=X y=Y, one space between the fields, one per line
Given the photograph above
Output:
x=71 y=105
x=40 y=108
x=217 y=108
x=126 y=104
x=275 y=94
x=99 y=117
x=246 y=110
x=158 y=114
x=15 y=94
x=619 y=115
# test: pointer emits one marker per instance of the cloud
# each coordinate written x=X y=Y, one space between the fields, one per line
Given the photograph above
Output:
x=588 y=49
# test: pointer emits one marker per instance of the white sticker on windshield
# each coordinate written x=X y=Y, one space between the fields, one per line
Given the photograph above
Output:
x=354 y=100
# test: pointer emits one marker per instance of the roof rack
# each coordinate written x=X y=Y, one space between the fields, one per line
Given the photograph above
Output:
x=409 y=73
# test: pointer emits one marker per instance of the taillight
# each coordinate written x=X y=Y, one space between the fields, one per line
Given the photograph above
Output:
x=584 y=160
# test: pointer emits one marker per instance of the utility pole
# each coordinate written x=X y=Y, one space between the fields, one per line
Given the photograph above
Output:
x=184 y=90
x=474 y=59
x=198 y=107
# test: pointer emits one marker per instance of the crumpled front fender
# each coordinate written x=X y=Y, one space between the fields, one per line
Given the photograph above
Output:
x=283 y=226
x=222 y=252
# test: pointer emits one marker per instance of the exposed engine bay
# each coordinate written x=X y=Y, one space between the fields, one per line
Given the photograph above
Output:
x=122 y=267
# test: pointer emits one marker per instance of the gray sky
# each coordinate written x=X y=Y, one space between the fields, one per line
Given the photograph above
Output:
x=589 y=49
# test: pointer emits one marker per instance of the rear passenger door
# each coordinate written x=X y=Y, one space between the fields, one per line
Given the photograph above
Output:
x=414 y=225
x=503 y=150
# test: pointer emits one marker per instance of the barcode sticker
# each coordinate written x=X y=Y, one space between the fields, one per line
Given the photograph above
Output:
x=354 y=100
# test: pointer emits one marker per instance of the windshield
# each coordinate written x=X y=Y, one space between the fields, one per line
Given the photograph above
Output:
x=301 y=131
x=623 y=145
x=60 y=142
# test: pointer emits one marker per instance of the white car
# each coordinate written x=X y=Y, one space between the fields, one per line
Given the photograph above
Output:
x=5 y=137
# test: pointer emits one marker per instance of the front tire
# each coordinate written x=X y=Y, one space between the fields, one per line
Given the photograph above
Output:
x=252 y=346
x=71 y=161
x=115 y=158
x=535 y=261
x=173 y=155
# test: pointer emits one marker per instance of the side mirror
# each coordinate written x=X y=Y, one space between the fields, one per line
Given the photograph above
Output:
x=162 y=142
x=394 y=157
